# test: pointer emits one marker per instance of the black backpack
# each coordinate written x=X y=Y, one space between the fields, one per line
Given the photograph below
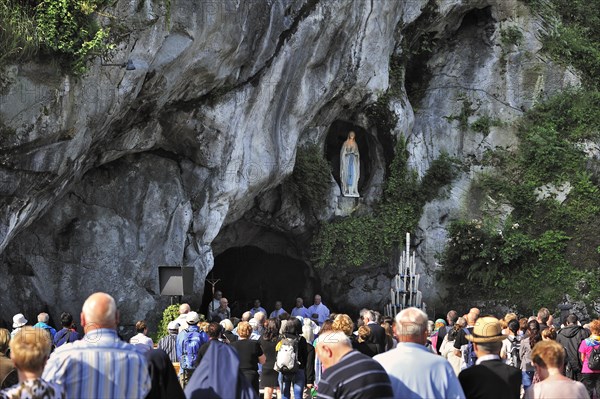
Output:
x=594 y=359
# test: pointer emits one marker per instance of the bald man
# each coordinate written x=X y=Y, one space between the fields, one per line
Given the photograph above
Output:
x=184 y=309
x=100 y=365
x=299 y=309
x=349 y=373
x=415 y=372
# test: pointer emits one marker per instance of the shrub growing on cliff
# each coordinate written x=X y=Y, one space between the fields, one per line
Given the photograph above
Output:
x=511 y=36
x=169 y=314
x=67 y=29
x=571 y=34
x=18 y=36
x=545 y=247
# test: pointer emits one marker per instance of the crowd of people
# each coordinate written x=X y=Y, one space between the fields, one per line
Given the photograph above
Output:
x=308 y=352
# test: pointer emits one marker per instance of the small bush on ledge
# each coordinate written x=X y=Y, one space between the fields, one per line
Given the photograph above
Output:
x=67 y=29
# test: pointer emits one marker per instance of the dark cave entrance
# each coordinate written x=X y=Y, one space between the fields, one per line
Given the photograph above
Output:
x=248 y=273
x=337 y=134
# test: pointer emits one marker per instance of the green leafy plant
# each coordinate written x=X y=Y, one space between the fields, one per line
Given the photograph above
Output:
x=18 y=35
x=69 y=28
x=64 y=28
x=484 y=124
x=545 y=247
x=169 y=314
x=465 y=113
x=511 y=36
x=385 y=120
x=571 y=34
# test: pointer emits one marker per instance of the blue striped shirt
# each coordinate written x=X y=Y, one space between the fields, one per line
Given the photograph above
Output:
x=99 y=366
x=355 y=376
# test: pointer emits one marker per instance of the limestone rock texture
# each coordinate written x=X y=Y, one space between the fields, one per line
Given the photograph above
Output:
x=107 y=176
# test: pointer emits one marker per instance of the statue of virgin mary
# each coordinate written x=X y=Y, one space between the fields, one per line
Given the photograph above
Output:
x=350 y=166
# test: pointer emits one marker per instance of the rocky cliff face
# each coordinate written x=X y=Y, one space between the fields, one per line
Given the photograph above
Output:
x=108 y=176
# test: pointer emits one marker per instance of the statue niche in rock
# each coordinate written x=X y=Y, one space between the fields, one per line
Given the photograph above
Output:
x=350 y=166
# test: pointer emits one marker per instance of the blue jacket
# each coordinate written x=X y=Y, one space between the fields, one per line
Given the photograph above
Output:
x=213 y=378
x=46 y=327
x=65 y=336
x=181 y=337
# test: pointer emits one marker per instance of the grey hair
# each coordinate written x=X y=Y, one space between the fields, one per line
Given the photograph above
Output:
x=368 y=313
x=411 y=322
x=43 y=318
x=227 y=324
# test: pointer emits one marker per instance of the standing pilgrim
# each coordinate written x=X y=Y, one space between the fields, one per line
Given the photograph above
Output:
x=318 y=312
x=350 y=166
x=490 y=376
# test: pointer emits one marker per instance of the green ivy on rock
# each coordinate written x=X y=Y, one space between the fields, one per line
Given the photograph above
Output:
x=545 y=248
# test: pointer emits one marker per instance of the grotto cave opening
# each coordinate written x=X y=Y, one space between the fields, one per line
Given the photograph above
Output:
x=247 y=273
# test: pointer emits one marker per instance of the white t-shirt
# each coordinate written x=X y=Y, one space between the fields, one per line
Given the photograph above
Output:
x=142 y=342
x=506 y=348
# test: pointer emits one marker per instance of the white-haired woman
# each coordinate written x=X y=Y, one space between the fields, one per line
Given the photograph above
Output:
x=228 y=330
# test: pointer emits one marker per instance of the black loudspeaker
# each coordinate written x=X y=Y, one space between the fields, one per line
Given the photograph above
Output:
x=176 y=280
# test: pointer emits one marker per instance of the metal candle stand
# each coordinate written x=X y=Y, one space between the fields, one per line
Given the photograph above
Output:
x=405 y=285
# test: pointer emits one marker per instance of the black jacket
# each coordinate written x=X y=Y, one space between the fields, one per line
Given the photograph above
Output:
x=377 y=337
x=570 y=337
x=491 y=379
x=164 y=379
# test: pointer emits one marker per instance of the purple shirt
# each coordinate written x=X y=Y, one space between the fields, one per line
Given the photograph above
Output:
x=303 y=312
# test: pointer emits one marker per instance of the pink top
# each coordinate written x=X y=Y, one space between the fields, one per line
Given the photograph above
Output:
x=586 y=347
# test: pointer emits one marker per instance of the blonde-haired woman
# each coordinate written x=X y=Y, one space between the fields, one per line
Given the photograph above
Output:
x=8 y=373
x=343 y=322
x=548 y=358
x=29 y=351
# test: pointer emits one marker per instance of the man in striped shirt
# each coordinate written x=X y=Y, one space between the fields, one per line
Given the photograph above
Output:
x=168 y=343
x=349 y=373
x=100 y=365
